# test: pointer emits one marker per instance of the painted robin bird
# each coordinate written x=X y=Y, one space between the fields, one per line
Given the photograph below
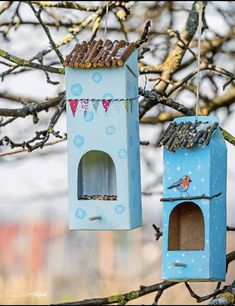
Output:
x=182 y=184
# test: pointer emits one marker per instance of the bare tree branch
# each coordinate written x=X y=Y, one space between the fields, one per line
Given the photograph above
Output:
x=45 y=28
x=126 y=297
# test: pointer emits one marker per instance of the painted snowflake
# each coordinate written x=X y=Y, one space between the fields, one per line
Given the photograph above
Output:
x=76 y=89
x=107 y=96
x=78 y=141
x=131 y=141
x=110 y=130
x=96 y=77
x=80 y=213
x=88 y=116
x=122 y=153
x=119 y=209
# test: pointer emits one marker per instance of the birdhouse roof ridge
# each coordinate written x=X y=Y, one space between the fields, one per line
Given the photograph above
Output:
x=100 y=53
x=187 y=134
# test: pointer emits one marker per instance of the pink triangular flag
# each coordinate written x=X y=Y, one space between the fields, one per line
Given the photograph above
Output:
x=73 y=105
x=106 y=104
x=85 y=105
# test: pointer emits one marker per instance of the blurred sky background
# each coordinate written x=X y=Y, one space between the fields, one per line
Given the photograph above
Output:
x=38 y=252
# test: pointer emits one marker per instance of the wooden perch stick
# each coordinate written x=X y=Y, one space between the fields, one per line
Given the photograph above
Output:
x=191 y=198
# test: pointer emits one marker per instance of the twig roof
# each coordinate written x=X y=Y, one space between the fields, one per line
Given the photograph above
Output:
x=99 y=53
x=186 y=135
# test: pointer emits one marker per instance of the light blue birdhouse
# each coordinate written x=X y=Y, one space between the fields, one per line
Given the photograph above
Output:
x=103 y=136
x=194 y=200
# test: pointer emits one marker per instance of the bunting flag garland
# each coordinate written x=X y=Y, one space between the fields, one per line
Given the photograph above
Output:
x=106 y=104
x=126 y=103
x=95 y=105
x=85 y=105
x=73 y=105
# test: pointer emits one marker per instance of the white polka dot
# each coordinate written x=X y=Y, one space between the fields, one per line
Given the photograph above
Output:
x=167 y=255
x=179 y=272
x=167 y=162
x=178 y=168
x=194 y=187
x=169 y=178
x=189 y=172
x=207 y=241
x=202 y=180
x=177 y=260
x=183 y=255
x=169 y=267
x=192 y=260
x=186 y=154
x=203 y=256
x=200 y=270
x=199 y=166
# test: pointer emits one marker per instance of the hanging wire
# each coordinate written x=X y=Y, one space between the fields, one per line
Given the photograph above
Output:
x=200 y=10
x=106 y=20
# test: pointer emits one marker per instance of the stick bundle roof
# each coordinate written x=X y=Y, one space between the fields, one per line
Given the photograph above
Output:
x=99 y=53
x=186 y=135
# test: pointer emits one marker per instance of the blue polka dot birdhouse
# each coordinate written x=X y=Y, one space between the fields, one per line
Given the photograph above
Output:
x=194 y=200
x=103 y=136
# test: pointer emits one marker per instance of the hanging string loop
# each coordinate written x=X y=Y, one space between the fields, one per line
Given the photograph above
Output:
x=106 y=20
x=200 y=12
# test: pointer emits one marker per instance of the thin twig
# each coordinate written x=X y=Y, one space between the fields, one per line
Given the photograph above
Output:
x=144 y=36
x=158 y=233
x=191 y=198
x=200 y=299
x=38 y=16
x=230 y=229
x=22 y=150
